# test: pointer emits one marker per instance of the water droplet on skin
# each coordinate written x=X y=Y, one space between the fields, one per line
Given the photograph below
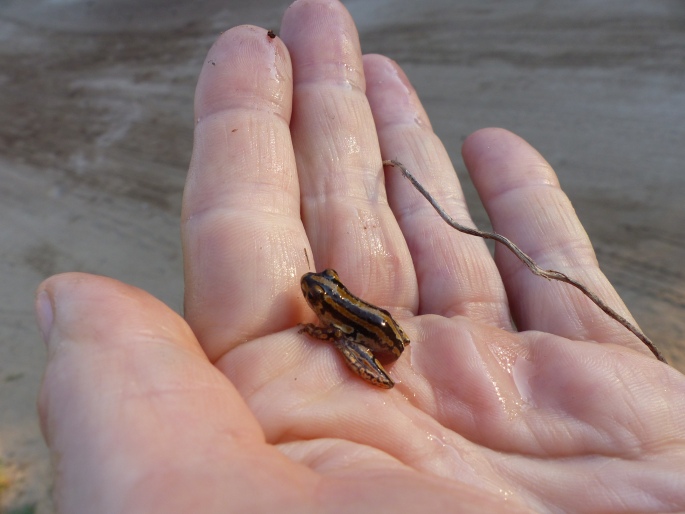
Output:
x=522 y=371
x=506 y=494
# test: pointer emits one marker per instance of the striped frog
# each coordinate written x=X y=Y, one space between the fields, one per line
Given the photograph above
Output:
x=359 y=330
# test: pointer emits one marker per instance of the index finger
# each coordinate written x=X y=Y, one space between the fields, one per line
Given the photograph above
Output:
x=243 y=242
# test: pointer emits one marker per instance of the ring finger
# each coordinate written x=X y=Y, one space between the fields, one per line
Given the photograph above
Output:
x=456 y=274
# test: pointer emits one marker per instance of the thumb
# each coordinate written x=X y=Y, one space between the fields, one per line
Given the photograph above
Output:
x=130 y=405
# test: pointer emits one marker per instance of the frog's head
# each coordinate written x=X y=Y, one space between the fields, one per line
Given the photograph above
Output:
x=317 y=287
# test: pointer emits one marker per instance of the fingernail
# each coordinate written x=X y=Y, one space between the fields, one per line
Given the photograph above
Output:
x=45 y=314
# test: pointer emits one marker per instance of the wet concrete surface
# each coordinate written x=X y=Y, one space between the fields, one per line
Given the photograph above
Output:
x=96 y=129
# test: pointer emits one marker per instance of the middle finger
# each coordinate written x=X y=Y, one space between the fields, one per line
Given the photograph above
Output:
x=343 y=202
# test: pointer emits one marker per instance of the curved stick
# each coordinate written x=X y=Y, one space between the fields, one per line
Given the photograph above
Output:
x=526 y=259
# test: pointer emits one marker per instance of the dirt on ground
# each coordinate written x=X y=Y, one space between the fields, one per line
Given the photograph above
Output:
x=96 y=130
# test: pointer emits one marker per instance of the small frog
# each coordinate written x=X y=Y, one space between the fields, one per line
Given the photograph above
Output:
x=359 y=330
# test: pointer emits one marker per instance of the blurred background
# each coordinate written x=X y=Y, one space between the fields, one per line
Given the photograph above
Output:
x=96 y=128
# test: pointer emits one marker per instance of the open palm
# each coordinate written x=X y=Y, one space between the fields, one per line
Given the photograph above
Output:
x=233 y=410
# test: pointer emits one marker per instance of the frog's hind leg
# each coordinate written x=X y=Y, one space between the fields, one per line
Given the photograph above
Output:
x=363 y=364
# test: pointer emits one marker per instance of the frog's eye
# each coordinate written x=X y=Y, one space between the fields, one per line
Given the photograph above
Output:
x=331 y=273
x=315 y=291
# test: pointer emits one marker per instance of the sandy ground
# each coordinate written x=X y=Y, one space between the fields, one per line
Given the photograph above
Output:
x=96 y=125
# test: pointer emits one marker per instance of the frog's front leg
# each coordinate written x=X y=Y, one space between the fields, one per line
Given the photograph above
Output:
x=362 y=363
x=329 y=333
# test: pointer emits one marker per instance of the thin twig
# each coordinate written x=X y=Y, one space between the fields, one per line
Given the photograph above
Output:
x=527 y=260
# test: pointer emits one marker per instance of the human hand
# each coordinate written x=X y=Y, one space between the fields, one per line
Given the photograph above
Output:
x=232 y=410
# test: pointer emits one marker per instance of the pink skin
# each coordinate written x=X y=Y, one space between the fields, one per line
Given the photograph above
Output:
x=231 y=410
